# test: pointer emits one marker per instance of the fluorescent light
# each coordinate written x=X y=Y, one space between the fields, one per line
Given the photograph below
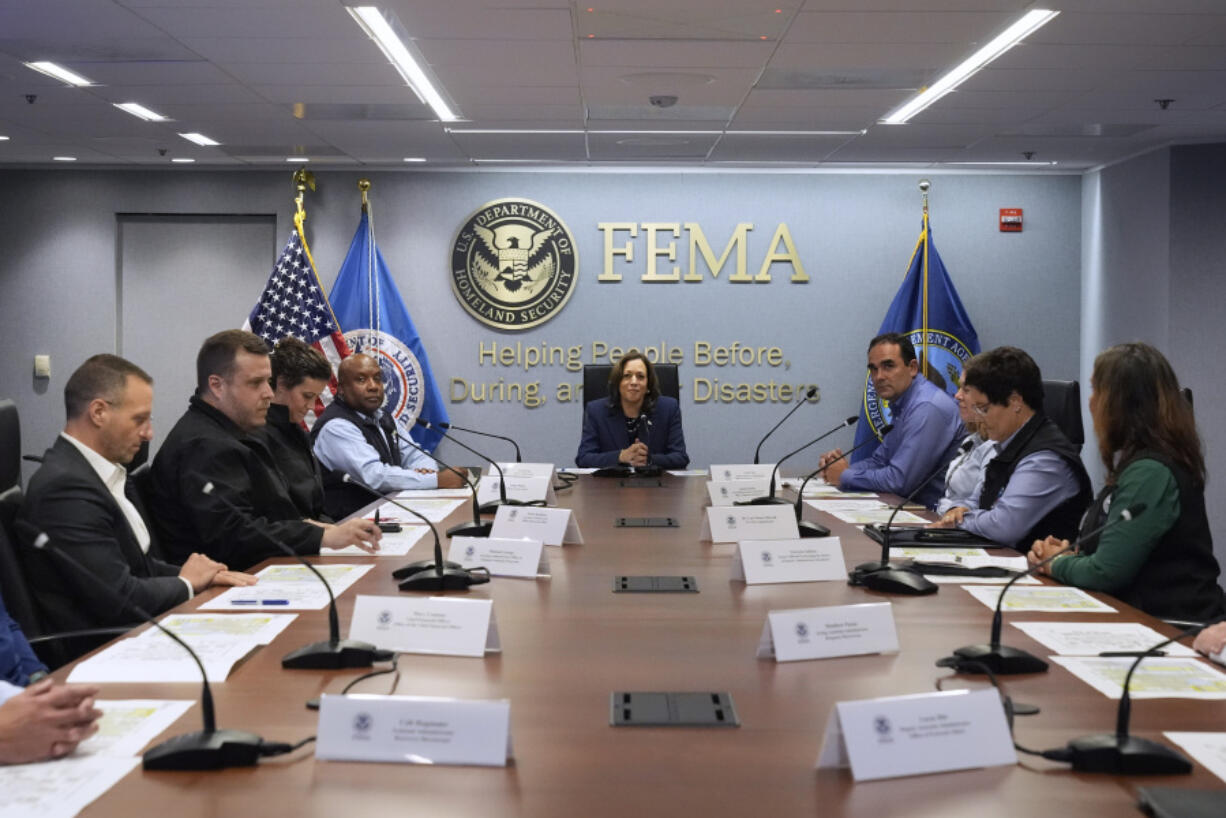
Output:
x=1030 y=22
x=140 y=111
x=182 y=160
x=200 y=139
x=297 y=159
x=650 y=131
x=1032 y=164
x=860 y=132
x=3 y=138
x=415 y=159
x=64 y=158
x=58 y=72
x=397 y=50
x=515 y=130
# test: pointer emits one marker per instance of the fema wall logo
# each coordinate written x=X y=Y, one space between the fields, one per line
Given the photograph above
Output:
x=403 y=380
x=513 y=264
x=946 y=357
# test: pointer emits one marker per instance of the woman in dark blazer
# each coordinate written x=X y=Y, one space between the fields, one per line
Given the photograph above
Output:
x=636 y=425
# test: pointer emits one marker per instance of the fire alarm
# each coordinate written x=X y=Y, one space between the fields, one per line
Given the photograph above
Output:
x=1010 y=220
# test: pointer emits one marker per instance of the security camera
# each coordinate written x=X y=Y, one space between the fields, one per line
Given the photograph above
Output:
x=662 y=100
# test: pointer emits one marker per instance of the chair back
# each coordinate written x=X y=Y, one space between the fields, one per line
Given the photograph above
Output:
x=1062 y=403
x=10 y=445
x=596 y=381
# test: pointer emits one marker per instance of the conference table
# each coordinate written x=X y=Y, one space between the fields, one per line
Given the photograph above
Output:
x=568 y=642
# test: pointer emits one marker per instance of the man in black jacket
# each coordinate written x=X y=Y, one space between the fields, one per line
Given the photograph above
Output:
x=82 y=499
x=216 y=442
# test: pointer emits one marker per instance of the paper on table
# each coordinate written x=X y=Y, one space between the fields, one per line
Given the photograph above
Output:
x=947 y=579
x=1209 y=749
x=261 y=628
x=875 y=515
x=1045 y=598
x=434 y=509
x=128 y=725
x=1155 y=678
x=456 y=492
x=289 y=588
x=158 y=659
x=1091 y=638
x=394 y=544
x=673 y=472
x=59 y=789
x=833 y=505
x=938 y=554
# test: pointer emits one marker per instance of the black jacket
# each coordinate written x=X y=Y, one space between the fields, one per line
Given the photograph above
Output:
x=291 y=449
x=206 y=446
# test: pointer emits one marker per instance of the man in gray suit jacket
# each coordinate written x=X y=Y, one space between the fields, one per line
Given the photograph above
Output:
x=82 y=499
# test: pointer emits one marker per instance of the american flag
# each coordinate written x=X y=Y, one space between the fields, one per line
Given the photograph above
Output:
x=293 y=303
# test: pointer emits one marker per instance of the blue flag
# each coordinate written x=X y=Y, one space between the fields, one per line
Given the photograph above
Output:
x=927 y=309
x=368 y=307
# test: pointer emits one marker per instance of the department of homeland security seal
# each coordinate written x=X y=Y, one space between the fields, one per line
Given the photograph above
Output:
x=513 y=264
x=947 y=355
x=403 y=381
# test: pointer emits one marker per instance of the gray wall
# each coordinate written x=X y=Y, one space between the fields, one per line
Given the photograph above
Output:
x=854 y=233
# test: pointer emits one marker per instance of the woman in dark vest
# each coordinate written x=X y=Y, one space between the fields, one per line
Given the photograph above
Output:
x=1162 y=561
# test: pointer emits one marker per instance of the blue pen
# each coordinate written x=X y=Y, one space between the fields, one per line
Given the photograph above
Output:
x=259 y=601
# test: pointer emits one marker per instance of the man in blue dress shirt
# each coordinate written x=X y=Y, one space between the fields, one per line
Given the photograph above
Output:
x=927 y=429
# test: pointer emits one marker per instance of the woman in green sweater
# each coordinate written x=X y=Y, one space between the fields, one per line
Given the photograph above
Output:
x=1162 y=561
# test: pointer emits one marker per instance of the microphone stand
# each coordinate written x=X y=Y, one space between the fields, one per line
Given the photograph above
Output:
x=808 y=528
x=449 y=426
x=477 y=528
x=207 y=749
x=1002 y=659
x=492 y=506
x=807 y=396
x=770 y=498
x=334 y=652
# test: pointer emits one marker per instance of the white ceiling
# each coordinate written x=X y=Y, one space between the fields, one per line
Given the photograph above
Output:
x=275 y=78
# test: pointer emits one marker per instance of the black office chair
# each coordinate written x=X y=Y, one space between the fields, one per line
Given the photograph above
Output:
x=13 y=584
x=1062 y=403
x=10 y=446
x=596 y=381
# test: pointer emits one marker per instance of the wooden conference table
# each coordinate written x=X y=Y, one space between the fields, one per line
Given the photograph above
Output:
x=568 y=642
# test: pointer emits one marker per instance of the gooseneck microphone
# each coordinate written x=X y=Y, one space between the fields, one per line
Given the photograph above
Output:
x=207 y=749
x=476 y=528
x=412 y=568
x=334 y=652
x=811 y=529
x=770 y=498
x=1002 y=659
x=451 y=426
x=436 y=576
x=807 y=396
x=492 y=506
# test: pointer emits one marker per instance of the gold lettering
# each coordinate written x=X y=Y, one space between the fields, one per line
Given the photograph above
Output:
x=702 y=390
x=698 y=244
x=654 y=250
x=791 y=256
x=627 y=249
x=462 y=386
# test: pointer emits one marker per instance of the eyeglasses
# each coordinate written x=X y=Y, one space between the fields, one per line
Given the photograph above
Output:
x=981 y=409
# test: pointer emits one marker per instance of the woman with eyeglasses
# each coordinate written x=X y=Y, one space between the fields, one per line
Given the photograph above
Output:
x=965 y=471
x=636 y=426
x=1162 y=560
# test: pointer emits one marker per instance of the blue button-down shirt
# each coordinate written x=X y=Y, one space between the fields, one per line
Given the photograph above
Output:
x=341 y=447
x=17 y=659
x=927 y=431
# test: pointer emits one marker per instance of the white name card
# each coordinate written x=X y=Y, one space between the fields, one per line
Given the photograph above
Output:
x=524 y=470
x=728 y=492
x=914 y=735
x=822 y=633
x=552 y=526
x=414 y=730
x=734 y=523
x=502 y=557
x=524 y=489
x=758 y=562
x=435 y=624
x=742 y=471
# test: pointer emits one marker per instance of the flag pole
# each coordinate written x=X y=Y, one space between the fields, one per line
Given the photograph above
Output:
x=304 y=179
x=925 y=186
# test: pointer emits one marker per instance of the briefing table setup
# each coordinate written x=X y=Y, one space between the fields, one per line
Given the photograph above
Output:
x=569 y=639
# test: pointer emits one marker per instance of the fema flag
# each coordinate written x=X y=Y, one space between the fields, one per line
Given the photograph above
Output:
x=927 y=309
x=293 y=303
x=377 y=324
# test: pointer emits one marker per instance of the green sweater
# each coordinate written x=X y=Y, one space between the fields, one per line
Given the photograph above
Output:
x=1123 y=549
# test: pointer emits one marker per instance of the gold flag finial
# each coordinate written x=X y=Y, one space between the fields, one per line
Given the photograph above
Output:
x=303 y=179
x=364 y=186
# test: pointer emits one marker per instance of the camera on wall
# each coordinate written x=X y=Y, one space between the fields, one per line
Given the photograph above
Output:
x=662 y=100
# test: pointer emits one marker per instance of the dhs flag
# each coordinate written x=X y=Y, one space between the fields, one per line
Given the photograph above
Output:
x=377 y=324
x=928 y=310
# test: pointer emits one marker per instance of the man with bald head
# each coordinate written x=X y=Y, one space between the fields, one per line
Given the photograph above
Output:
x=355 y=436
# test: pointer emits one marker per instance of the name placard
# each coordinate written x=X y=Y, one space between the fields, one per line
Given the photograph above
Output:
x=759 y=562
x=734 y=523
x=822 y=633
x=436 y=624
x=524 y=489
x=728 y=492
x=414 y=730
x=524 y=470
x=502 y=557
x=742 y=471
x=552 y=526
x=914 y=735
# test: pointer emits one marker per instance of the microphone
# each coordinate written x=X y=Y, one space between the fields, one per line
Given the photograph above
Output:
x=770 y=498
x=476 y=528
x=207 y=749
x=436 y=576
x=811 y=529
x=895 y=579
x=492 y=506
x=1002 y=659
x=333 y=653
x=518 y=458
x=413 y=568
x=1119 y=752
x=807 y=396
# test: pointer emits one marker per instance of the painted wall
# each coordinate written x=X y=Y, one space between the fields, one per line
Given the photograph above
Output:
x=853 y=233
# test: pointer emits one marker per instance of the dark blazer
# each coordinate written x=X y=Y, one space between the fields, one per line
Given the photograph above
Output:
x=291 y=448
x=604 y=435
x=206 y=446
x=67 y=500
